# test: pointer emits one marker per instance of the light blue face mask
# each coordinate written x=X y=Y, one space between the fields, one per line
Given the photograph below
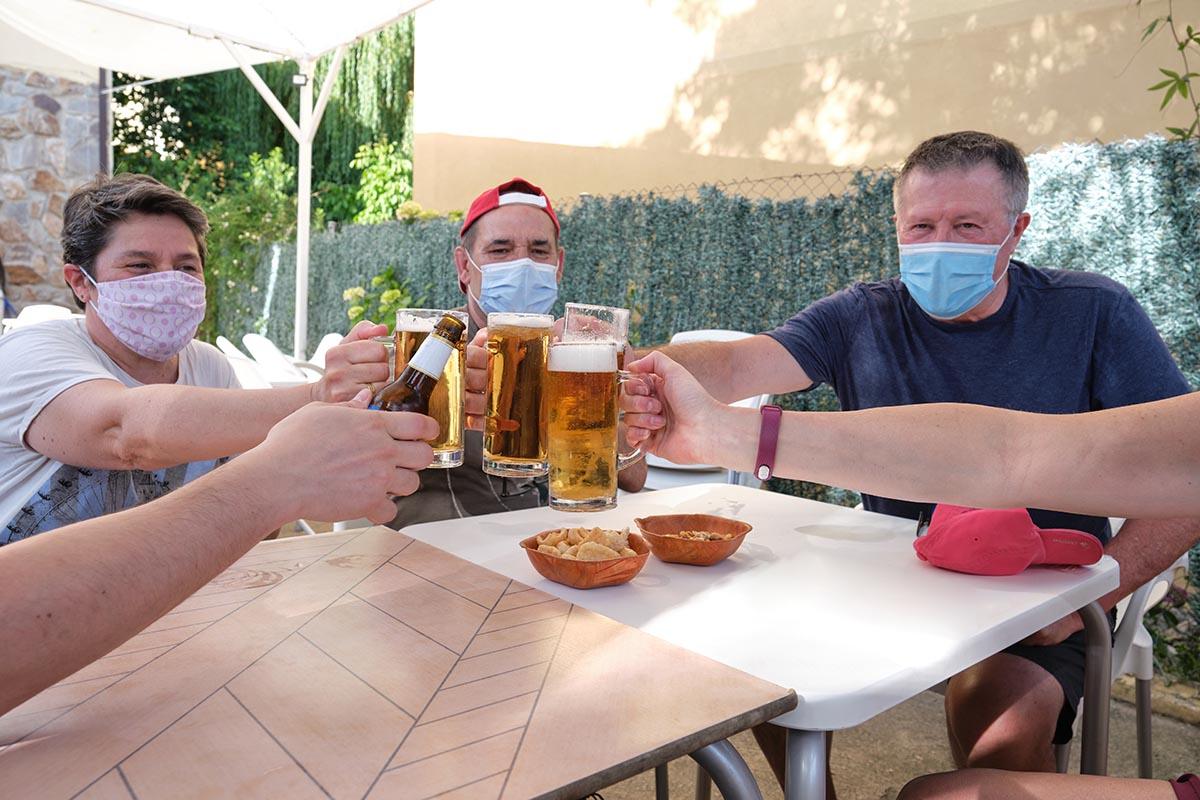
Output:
x=524 y=286
x=948 y=279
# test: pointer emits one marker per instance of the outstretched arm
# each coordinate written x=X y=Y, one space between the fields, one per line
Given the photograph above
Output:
x=71 y=595
x=1136 y=461
x=104 y=424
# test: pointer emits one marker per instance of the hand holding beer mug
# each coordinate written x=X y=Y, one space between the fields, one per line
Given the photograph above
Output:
x=514 y=434
x=581 y=405
x=413 y=326
x=585 y=323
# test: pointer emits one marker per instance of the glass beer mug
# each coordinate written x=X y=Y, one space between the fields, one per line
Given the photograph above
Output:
x=582 y=382
x=413 y=326
x=586 y=323
x=514 y=434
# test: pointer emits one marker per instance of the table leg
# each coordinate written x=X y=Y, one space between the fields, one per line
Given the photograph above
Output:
x=729 y=772
x=1097 y=687
x=806 y=756
x=662 y=783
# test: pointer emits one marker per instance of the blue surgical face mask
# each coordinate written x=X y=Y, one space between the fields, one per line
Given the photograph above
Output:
x=524 y=285
x=948 y=279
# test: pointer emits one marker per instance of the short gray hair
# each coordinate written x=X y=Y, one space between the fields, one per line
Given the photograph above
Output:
x=964 y=150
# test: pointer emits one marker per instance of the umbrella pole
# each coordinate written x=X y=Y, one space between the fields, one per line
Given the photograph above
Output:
x=303 y=134
x=303 y=209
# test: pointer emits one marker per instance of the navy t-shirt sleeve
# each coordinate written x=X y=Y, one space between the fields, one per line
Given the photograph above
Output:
x=1130 y=361
x=819 y=336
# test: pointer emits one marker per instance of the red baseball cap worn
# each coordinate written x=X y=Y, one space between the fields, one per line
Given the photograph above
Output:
x=991 y=542
x=517 y=191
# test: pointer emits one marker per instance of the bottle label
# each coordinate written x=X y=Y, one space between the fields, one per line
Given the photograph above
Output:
x=431 y=356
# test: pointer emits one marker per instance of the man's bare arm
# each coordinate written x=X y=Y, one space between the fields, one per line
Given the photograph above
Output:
x=732 y=371
x=1138 y=461
x=72 y=595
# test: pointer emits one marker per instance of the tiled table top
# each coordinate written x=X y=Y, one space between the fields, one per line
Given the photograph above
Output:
x=369 y=664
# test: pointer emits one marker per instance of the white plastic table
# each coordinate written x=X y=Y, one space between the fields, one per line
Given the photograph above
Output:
x=830 y=601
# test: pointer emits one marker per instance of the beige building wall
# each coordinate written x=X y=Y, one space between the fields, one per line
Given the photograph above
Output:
x=613 y=96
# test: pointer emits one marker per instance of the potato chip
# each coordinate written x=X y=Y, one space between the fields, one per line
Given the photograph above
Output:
x=586 y=544
x=594 y=551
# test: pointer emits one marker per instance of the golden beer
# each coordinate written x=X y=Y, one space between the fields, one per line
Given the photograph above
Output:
x=413 y=326
x=514 y=436
x=581 y=392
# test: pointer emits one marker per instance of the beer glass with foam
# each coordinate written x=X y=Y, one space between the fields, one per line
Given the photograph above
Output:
x=588 y=323
x=582 y=382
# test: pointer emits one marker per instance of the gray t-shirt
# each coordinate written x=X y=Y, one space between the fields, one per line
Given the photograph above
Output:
x=37 y=364
x=467 y=491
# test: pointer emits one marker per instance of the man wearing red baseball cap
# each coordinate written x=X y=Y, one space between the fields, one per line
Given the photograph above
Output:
x=508 y=259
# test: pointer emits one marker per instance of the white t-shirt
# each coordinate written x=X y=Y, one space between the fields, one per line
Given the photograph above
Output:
x=37 y=364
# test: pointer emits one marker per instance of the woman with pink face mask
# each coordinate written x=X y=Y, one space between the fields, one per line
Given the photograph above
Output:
x=106 y=412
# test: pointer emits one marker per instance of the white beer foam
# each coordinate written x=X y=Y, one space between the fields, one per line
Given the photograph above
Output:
x=583 y=357
x=411 y=324
x=520 y=320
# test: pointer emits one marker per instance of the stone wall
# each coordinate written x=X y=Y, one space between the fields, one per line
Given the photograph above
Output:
x=48 y=146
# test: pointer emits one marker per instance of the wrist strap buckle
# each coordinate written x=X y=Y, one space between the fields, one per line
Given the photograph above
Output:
x=768 y=439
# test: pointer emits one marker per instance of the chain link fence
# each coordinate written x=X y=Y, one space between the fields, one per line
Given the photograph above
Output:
x=798 y=186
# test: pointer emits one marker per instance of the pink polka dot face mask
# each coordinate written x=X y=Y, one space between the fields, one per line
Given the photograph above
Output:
x=154 y=315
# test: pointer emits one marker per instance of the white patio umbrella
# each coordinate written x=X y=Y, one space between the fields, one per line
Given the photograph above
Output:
x=171 y=39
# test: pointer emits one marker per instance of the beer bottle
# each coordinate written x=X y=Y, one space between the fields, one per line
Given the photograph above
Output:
x=411 y=390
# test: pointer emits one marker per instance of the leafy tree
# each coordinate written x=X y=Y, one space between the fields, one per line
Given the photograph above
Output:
x=257 y=210
x=198 y=133
x=386 y=181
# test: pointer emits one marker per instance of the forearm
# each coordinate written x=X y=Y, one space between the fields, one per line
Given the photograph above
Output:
x=72 y=595
x=1145 y=548
x=710 y=363
x=162 y=425
x=1140 y=461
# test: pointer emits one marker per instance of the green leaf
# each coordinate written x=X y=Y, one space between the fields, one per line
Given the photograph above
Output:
x=1167 y=97
x=1180 y=132
x=1146 y=34
x=1160 y=85
x=1169 y=73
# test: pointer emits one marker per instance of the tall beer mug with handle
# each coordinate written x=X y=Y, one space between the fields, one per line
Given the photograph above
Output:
x=587 y=323
x=582 y=382
x=514 y=434
x=413 y=326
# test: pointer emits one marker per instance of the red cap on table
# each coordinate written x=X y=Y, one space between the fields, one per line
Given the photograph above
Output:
x=991 y=542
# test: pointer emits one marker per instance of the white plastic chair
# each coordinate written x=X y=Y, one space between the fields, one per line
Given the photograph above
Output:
x=247 y=370
x=328 y=342
x=278 y=368
x=38 y=312
x=681 y=475
x=1133 y=654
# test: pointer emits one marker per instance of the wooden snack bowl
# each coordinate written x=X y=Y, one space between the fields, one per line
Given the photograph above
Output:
x=657 y=530
x=587 y=574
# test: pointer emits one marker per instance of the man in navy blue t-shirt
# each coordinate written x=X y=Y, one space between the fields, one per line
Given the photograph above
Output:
x=965 y=322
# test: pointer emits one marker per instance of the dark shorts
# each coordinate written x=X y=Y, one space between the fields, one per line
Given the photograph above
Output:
x=1064 y=661
x=1187 y=787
